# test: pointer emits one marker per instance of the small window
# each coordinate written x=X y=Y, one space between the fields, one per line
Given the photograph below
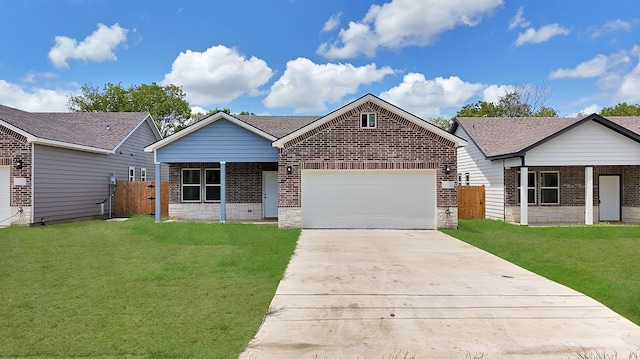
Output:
x=132 y=174
x=143 y=174
x=549 y=188
x=368 y=120
x=212 y=184
x=467 y=179
x=531 y=186
x=459 y=179
x=190 y=185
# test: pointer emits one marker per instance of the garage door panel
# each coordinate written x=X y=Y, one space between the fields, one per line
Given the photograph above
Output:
x=368 y=199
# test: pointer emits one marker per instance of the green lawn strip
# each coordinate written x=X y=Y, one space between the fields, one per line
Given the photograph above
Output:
x=96 y=288
x=600 y=261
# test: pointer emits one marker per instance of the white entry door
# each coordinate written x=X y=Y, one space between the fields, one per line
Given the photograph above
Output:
x=369 y=199
x=270 y=194
x=5 y=210
x=609 y=195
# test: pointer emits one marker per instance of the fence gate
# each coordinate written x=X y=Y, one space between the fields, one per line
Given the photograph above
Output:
x=471 y=204
x=139 y=198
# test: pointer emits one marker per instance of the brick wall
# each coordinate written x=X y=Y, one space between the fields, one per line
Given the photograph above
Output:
x=244 y=180
x=572 y=184
x=12 y=146
x=396 y=143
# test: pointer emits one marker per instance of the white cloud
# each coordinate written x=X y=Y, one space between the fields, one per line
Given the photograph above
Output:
x=609 y=27
x=493 y=93
x=426 y=98
x=34 y=100
x=402 y=23
x=543 y=34
x=217 y=76
x=593 y=68
x=306 y=86
x=519 y=20
x=332 y=23
x=629 y=90
x=97 y=47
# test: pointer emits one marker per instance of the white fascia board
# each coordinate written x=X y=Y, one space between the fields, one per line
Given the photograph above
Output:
x=148 y=120
x=203 y=123
x=362 y=100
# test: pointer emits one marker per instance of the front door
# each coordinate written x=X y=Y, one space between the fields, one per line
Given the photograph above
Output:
x=5 y=209
x=609 y=195
x=270 y=194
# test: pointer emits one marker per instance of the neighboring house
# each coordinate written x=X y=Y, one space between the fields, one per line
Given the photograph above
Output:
x=56 y=166
x=368 y=164
x=574 y=170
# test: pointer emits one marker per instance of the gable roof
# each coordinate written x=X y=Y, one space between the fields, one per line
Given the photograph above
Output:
x=280 y=143
x=101 y=132
x=504 y=137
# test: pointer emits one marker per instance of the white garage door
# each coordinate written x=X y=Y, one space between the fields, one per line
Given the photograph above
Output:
x=4 y=196
x=401 y=199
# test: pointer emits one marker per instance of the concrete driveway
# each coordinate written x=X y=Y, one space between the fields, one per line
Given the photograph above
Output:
x=376 y=294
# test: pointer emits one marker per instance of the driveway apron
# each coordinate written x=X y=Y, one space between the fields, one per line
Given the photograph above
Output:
x=422 y=294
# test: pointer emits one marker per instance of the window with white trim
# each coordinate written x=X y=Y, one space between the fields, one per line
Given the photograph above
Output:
x=467 y=179
x=191 y=185
x=549 y=187
x=531 y=187
x=143 y=174
x=132 y=174
x=368 y=120
x=459 y=179
x=212 y=184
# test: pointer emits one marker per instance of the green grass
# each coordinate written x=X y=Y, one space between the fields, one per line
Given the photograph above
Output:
x=136 y=288
x=601 y=261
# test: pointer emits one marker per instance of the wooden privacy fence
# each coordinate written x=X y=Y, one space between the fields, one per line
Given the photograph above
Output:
x=138 y=197
x=471 y=204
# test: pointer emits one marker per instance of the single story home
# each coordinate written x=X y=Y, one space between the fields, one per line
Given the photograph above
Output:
x=368 y=164
x=63 y=166
x=553 y=170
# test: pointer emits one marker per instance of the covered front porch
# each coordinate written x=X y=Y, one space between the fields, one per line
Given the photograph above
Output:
x=572 y=194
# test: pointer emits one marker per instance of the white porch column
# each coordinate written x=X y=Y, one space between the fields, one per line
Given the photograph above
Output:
x=524 y=196
x=158 y=191
x=588 y=195
x=223 y=191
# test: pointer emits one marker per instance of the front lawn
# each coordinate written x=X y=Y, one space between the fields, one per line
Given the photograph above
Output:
x=136 y=288
x=601 y=261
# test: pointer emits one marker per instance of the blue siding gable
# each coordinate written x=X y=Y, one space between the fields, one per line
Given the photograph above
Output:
x=218 y=141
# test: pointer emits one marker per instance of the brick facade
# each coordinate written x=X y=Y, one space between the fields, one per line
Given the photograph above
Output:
x=243 y=181
x=395 y=144
x=14 y=146
x=572 y=184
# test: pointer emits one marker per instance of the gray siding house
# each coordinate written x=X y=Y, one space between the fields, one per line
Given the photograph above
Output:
x=368 y=164
x=553 y=170
x=56 y=166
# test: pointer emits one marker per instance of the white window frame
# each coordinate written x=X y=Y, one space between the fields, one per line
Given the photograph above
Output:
x=467 y=179
x=211 y=185
x=534 y=188
x=367 y=118
x=459 y=178
x=183 y=185
x=143 y=174
x=557 y=188
x=132 y=173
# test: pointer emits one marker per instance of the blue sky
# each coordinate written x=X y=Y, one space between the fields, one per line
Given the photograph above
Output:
x=429 y=57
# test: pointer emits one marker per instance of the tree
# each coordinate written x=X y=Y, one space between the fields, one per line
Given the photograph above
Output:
x=522 y=101
x=166 y=104
x=442 y=122
x=621 y=109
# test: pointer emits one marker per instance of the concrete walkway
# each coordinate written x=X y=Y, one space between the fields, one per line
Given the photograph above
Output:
x=377 y=294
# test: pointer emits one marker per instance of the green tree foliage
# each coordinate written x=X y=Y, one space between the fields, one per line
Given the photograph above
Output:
x=442 y=122
x=523 y=101
x=621 y=109
x=166 y=104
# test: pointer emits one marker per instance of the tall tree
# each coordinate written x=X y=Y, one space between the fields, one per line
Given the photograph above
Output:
x=166 y=104
x=522 y=101
x=621 y=109
x=442 y=122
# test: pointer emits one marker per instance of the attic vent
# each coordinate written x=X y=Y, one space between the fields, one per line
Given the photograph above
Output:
x=5 y=161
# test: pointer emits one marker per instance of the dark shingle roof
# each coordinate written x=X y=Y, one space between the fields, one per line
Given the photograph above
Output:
x=277 y=126
x=502 y=136
x=102 y=130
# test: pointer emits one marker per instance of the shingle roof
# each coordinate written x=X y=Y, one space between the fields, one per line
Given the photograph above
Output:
x=102 y=130
x=277 y=126
x=510 y=135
